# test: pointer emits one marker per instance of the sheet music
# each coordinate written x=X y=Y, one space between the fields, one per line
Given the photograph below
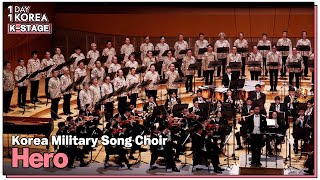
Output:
x=271 y=122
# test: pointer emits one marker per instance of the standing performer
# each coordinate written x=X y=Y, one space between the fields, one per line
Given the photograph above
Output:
x=65 y=81
x=85 y=97
x=264 y=53
x=8 y=86
x=118 y=83
x=169 y=59
x=132 y=78
x=162 y=46
x=110 y=52
x=115 y=66
x=47 y=61
x=79 y=72
x=54 y=88
x=305 y=54
x=93 y=55
x=79 y=56
x=147 y=61
x=257 y=125
x=178 y=46
x=295 y=57
x=255 y=72
x=34 y=65
x=234 y=57
x=126 y=49
x=207 y=58
x=98 y=72
x=284 y=41
x=221 y=42
x=274 y=56
x=200 y=43
x=107 y=88
x=58 y=58
x=242 y=43
x=152 y=88
x=186 y=62
x=171 y=75
x=228 y=77
x=19 y=73
x=132 y=63
x=145 y=47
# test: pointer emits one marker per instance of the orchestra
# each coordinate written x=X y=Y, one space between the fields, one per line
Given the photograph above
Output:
x=104 y=88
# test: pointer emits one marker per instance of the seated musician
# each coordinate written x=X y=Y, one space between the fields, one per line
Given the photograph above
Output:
x=309 y=163
x=120 y=150
x=223 y=127
x=243 y=129
x=259 y=97
x=246 y=107
x=309 y=113
x=199 y=97
x=198 y=147
x=213 y=151
x=257 y=125
x=195 y=110
x=173 y=100
x=289 y=101
x=229 y=98
x=150 y=105
x=278 y=129
x=218 y=106
x=160 y=150
x=301 y=130
x=277 y=106
x=228 y=77
x=75 y=152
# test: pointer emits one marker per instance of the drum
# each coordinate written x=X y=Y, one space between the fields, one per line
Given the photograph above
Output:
x=219 y=93
x=206 y=92
x=254 y=83
x=245 y=92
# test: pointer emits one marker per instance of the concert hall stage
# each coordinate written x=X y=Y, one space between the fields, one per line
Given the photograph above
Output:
x=274 y=166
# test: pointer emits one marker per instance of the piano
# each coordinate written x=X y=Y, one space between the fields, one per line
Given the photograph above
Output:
x=27 y=125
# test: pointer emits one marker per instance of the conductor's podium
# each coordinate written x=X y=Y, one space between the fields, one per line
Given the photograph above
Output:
x=274 y=166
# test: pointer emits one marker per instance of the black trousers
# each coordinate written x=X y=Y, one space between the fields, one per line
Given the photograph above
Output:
x=237 y=73
x=22 y=95
x=256 y=145
x=284 y=67
x=170 y=91
x=223 y=67
x=209 y=77
x=297 y=76
x=7 y=96
x=199 y=157
x=34 y=91
x=274 y=78
x=255 y=75
x=78 y=100
x=46 y=87
x=122 y=104
x=265 y=66
x=133 y=99
x=152 y=93
x=66 y=103
x=54 y=108
x=243 y=68
x=108 y=111
x=237 y=134
x=122 y=156
x=305 y=62
x=199 y=68
x=189 y=83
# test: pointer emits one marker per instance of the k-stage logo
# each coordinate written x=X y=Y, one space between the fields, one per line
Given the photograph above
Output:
x=22 y=21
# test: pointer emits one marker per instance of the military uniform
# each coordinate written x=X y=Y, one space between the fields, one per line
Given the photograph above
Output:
x=8 y=87
x=93 y=55
x=242 y=44
x=98 y=73
x=126 y=50
x=178 y=46
x=305 y=54
x=284 y=42
x=199 y=45
x=19 y=73
x=151 y=89
x=171 y=76
x=131 y=79
x=255 y=72
x=122 y=98
x=32 y=66
x=44 y=63
x=96 y=95
x=295 y=71
x=274 y=70
x=207 y=58
x=107 y=88
x=54 y=88
x=186 y=62
x=234 y=58
x=221 y=56
x=144 y=48
x=85 y=97
x=65 y=81
x=110 y=53
x=78 y=57
x=162 y=47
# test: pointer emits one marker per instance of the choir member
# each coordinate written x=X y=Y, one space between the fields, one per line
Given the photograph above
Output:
x=242 y=43
x=221 y=42
x=200 y=44
x=85 y=97
x=107 y=88
x=93 y=55
x=126 y=49
x=295 y=72
x=186 y=62
x=305 y=54
x=284 y=41
x=58 y=58
x=132 y=78
x=162 y=46
x=152 y=88
x=169 y=59
x=110 y=52
x=32 y=66
x=178 y=46
x=264 y=42
x=274 y=56
x=8 y=86
x=95 y=93
x=19 y=73
x=54 y=88
x=132 y=63
x=255 y=72
x=47 y=61
x=145 y=47
x=115 y=66
x=207 y=58
x=98 y=72
x=234 y=57
x=171 y=75
x=147 y=61
x=79 y=56
x=65 y=81
x=118 y=83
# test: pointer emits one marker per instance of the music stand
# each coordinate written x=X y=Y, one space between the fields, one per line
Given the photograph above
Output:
x=303 y=48
x=177 y=108
x=131 y=87
x=242 y=50
x=86 y=61
x=144 y=84
x=161 y=81
x=223 y=50
x=282 y=49
x=193 y=67
x=125 y=71
x=70 y=61
x=165 y=53
x=180 y=80
x=235 y=65
x=202 y=50
x=103 y=59
x=155 y=53
x=120 y=91
x=184 y=51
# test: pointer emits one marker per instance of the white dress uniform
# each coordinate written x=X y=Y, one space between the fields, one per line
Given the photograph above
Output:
x=93 y=55
x=178 y=46
x=110 y=53
x=126 y=50
x=78 y=57
x=162 y=47
x=95 y=93
x=85 y=98
x=132 y=64
x=98 y=73
x=147 y=62
x=199 y=45
x=144 y=48
x=264 y=43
